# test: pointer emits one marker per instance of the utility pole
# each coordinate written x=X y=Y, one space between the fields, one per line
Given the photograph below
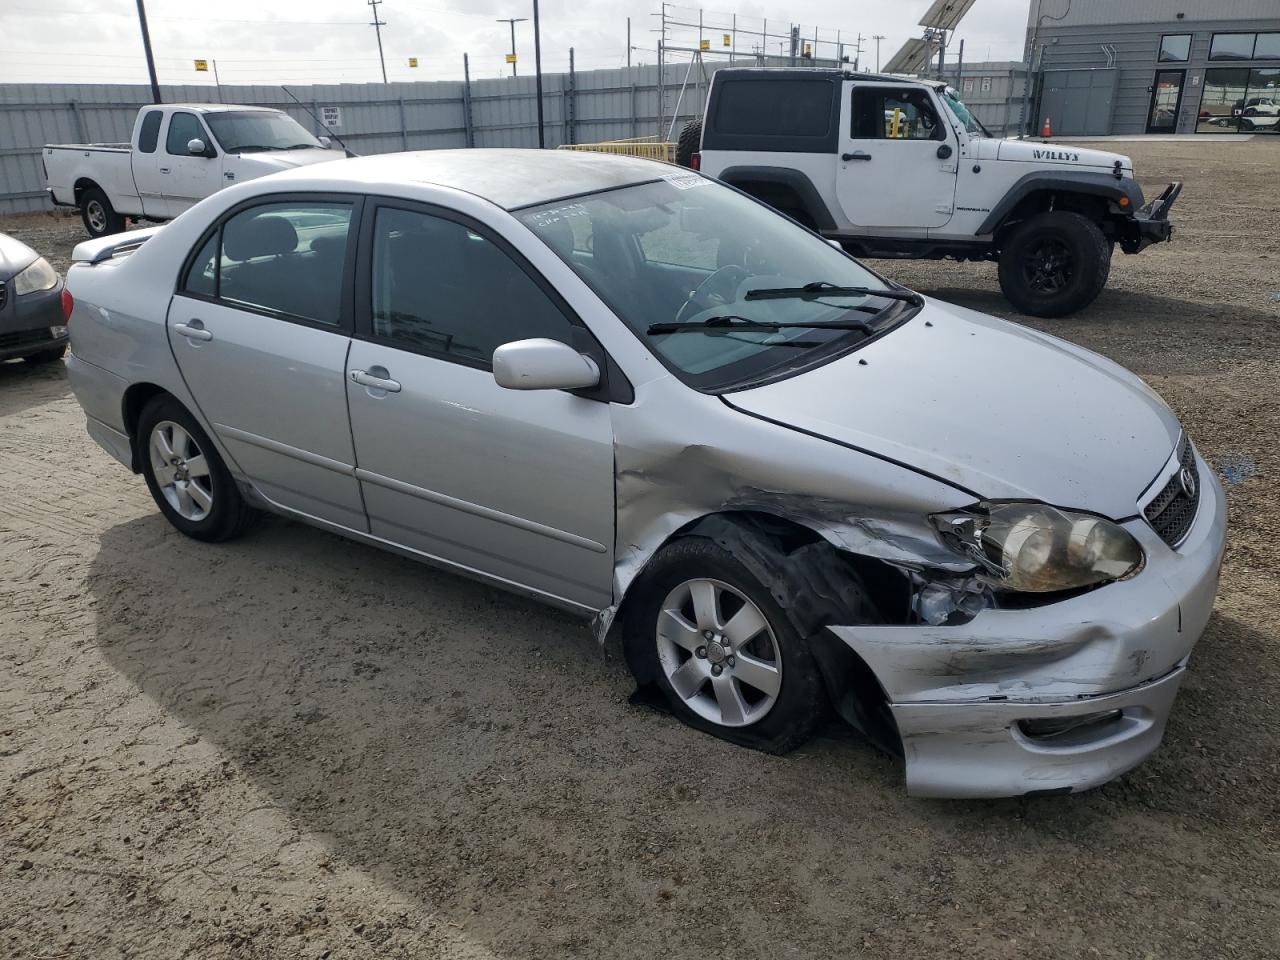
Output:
x=146 y=46
x=377 y=29
x=513 y=21
x=537 y=68
x=628 y=43
x=857 y=52
x=877 y=38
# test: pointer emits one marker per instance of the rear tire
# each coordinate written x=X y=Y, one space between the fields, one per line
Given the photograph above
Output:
x=1054 y=264
x=187 y=479
x=690 y=142
x=47 y=356
x=99 y=217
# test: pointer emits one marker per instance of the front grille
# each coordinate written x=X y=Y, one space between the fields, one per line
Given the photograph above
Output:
x=4 y=293
x=1173 y=510
x=23 y=337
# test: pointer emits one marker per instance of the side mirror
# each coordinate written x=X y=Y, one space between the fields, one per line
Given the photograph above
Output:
x=542 y=364
x=325 y=142
x=196 y=147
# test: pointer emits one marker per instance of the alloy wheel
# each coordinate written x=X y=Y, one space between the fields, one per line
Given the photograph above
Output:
x=96 y=215
x=181 y=471
x=719 y=653
x=1048 y=266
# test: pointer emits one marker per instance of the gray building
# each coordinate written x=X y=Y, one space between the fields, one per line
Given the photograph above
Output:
x=1155 y=66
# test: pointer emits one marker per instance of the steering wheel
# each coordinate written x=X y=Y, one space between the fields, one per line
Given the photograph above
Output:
x=715 y=291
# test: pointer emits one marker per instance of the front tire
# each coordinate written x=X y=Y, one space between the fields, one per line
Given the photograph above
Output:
x=99 y=217
x=712 y=638
x=187 y=479
x=1054 y=264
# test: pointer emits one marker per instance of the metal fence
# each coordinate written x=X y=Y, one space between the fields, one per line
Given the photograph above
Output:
x=578 y=107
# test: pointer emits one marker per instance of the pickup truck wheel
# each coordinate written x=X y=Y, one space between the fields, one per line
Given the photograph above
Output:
x=1054 y=264
x=100 y=218
x=689 y=142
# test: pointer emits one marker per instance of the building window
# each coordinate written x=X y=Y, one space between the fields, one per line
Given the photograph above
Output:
x=1232 y=46
x=986 y=84
x=1268 y=47
x=1175 y=48
x=1240 y=100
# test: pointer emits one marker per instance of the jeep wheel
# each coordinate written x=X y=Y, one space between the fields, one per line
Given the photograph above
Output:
x=1054 y=264
x=689 y=143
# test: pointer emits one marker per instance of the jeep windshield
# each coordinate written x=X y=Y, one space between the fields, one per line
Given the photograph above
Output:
x=966 y=119
x=671 y=255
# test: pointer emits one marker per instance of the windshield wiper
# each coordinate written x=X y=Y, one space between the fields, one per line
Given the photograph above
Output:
x=820 y=288
x=736 y=324
x=301 y=146
x=249 y=146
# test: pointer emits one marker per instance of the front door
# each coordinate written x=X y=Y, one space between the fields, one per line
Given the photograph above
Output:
x=1166 y=100
x=260 y=328
x=897 y=164
x=189 y=179
x=516 y=485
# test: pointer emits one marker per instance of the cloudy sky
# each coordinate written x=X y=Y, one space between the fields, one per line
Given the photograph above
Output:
x=303 y=41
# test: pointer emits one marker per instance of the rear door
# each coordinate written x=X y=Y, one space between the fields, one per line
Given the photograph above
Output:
x=897 y=170
x=146 y=160
x=516 y=485
x=188 y=179
x=260 y=328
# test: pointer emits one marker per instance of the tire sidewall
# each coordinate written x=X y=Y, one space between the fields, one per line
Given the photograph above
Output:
x=114 y=223
x=1089 y=249
x=801 y=698
x=227 y=504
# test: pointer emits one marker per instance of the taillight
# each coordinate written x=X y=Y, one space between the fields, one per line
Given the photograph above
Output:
x=68 y=304
x=695 y=162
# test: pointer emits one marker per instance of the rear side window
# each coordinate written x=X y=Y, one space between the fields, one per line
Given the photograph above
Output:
x=441 y=288
x=775 y=108
x=280 y=259
x=183 y=128
x=149 y=134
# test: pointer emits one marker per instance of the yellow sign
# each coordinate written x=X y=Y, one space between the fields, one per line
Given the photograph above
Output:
x=704 y=44
x=808 y=51
x=728 y=40
x=413 y=61
x=511 y=58
x=202 y=66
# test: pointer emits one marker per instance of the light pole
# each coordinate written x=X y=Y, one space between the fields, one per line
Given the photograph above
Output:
x=877 y=37
x=513 y=21
x=537 y=67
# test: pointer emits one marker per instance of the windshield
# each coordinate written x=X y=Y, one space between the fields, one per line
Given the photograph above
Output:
x=958 y=110
x=258 y=130
x=684 y=250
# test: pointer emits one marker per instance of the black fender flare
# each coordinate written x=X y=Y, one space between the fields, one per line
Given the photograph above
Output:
x=1067 y=181
x=794 y=180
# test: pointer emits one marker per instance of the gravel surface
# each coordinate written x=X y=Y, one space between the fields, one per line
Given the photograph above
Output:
x=293 y=746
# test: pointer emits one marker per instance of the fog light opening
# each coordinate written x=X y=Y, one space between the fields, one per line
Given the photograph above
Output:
x=1050 y=728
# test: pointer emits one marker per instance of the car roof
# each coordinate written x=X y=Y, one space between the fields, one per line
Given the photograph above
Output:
x=217 y=107
x=510 y=178
x=793 y=73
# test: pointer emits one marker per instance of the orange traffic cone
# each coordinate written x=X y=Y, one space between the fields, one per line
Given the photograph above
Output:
x=1047 y=130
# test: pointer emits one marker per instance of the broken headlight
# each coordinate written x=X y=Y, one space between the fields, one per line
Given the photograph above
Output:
x=1035 y=548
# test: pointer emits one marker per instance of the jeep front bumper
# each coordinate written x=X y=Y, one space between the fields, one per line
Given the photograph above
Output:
x=1151 y=223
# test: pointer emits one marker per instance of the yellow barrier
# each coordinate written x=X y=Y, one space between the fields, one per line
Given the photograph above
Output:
x=645 y=147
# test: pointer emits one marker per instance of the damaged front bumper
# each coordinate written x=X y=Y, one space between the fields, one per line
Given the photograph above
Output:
x=1050 y=699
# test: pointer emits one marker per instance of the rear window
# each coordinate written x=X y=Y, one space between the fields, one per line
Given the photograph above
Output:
x=779 y=108
x=149 y=135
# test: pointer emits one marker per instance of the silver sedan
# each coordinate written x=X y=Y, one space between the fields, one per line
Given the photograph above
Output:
x=793 y=486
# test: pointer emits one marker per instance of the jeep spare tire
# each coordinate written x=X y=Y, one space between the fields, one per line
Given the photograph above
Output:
x=1054 y=264
x=689 y=143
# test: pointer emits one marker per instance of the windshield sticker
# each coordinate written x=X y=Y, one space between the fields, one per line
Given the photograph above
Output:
x=686 y=181
x=544 y=218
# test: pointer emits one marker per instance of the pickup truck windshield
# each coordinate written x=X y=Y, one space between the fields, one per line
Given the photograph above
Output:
x=243 y=131
x=967 y=120
x=671 y=255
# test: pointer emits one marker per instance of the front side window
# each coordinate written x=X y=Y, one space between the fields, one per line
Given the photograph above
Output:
x=439 y=287
x=1231 y=46
x=149 y=134
x=183 y=128
x=246 y=131
x=1175 y=47
x=883 y=113
x=282 y=259
x=687 y=251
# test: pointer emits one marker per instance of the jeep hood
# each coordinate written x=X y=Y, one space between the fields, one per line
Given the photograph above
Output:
x=1060 y=155
x=988 y=406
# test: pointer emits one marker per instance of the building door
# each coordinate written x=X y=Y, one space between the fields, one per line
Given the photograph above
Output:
x=1166 y=99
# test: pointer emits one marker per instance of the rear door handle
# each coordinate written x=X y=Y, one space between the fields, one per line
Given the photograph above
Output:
x=856 y=155
x=192 y=331
x=371 y=380
x=164 y=169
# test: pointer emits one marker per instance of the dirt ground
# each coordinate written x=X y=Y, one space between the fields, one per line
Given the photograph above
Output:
x=293 y=746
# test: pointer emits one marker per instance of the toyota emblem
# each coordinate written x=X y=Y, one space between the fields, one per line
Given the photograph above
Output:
x=1187 y=480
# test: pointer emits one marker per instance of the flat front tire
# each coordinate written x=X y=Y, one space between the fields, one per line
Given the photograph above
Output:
x=1054 y=264
x=724 y=654
x=186 y=476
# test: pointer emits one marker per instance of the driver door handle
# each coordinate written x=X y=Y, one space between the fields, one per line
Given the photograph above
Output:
x=366 y=379
x=856 y=155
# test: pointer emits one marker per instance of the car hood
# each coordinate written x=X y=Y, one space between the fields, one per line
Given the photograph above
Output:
x=14 y=256
x=289 y=159
x=1064 y=155
x=994 y=408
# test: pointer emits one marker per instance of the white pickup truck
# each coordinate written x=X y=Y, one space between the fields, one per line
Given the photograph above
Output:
x=180 y=153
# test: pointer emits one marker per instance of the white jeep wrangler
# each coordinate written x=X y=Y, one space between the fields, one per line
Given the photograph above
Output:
x=893 y=167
